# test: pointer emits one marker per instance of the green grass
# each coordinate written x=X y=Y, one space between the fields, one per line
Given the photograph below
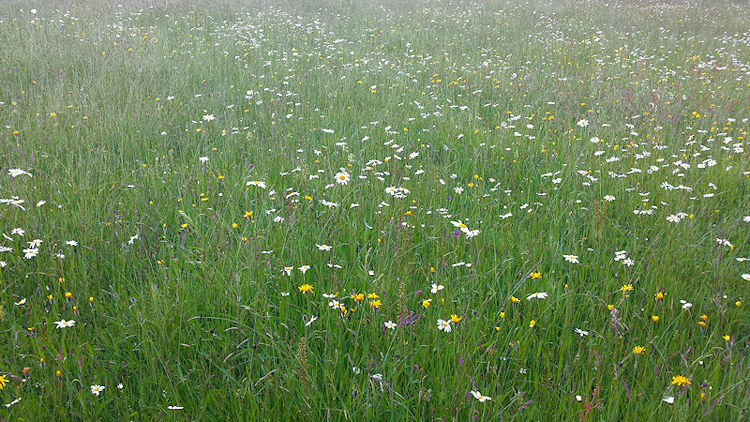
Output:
x=474 y=108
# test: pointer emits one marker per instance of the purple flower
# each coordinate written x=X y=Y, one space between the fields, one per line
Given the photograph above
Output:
x=456 y=234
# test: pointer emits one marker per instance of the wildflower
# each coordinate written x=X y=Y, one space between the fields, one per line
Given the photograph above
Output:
x=659 y=295
x=536 y=275
x=18 y=172
x=532 y=324
x=426 y=303
x=537 y=295
x=30 y=253
x=655 y=318
x=257 y=183
x=444 y=325
x=669 y=400
x=175 y=407
x=312 y=319
x=680 y=380
x=323 y=247
x=304 y=268
x=456 y=319
x=583 y=123
x=626 y=288
x=390 y=325
x=436 y=288
x=638 y=350
x=96 y=389
x=581 y=332
x=359 y=297
x=375 y=304
x=305 y=288
x=64 y=324
x=571 y=258
x=726 y=338
x=342 y=178
x=477 y=395
x=746 y=277
x=3 y=381
x=514 y=299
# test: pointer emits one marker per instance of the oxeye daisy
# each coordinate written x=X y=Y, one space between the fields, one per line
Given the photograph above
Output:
x=342 y=178
x=444 y=325
x=477 y=395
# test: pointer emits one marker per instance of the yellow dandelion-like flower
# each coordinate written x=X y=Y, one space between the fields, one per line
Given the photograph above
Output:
x=680 y=380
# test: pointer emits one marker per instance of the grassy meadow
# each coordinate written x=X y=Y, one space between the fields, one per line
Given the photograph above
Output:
x=347 y=210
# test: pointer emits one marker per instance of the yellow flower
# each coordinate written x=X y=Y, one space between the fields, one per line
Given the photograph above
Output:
x=704 y=317
x=373 y=296
x=655 y=318
x=726 y=337
x=359 y=297
x=626 y=288
x=514 y=299
x=638 y=350
x=3 y=381
x=375 y=304
x=680 y=380
x=455 y=318
x=532 y=324
x=305 y=288
x=426 y=303
x=536 y=275
x=502 y=314
x=68 y=295
x=702 y=324
x=659 y=295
